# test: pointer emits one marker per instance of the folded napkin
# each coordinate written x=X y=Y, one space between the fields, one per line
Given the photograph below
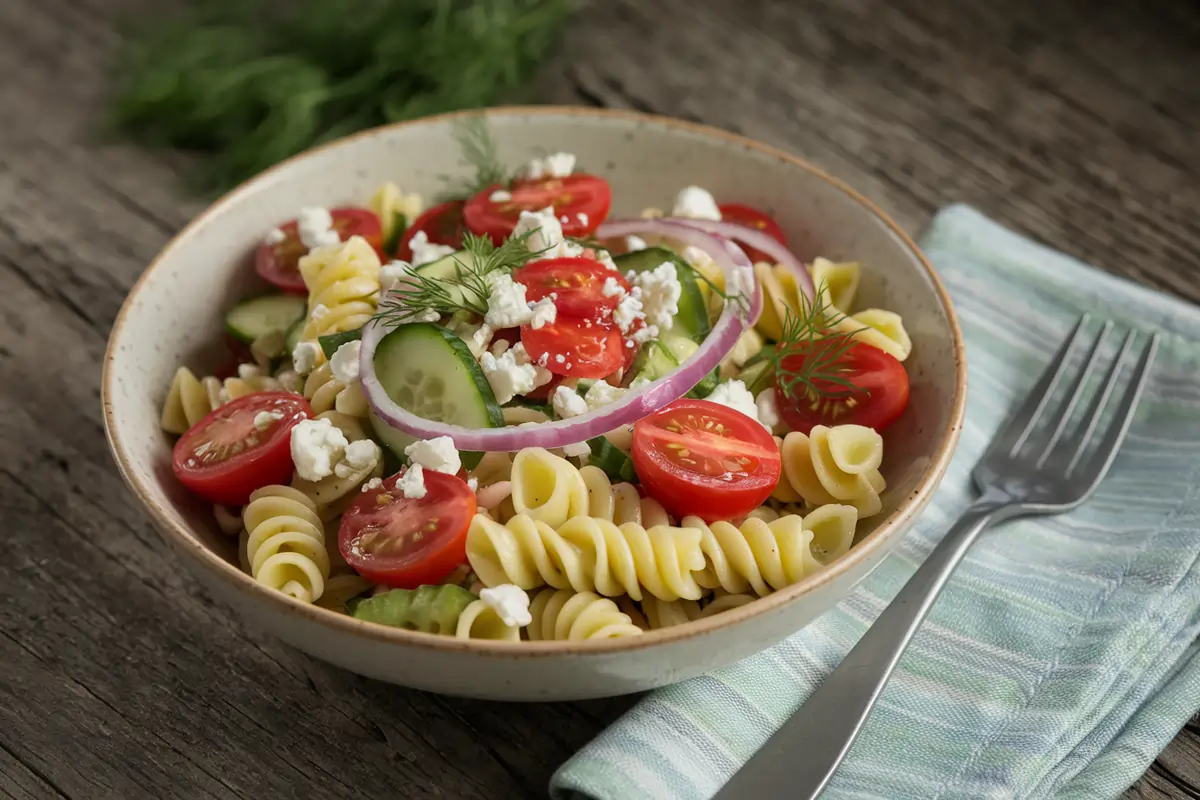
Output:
x=1060 y=659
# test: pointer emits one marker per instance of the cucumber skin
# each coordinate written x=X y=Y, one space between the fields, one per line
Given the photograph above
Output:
x=238 y=333
x=614 y=462
x=692 y=317
x=292 y=337
x=431 y=609
x=332 y=341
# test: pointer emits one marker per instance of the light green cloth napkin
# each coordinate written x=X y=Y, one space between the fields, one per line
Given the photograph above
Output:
x=1062 y=656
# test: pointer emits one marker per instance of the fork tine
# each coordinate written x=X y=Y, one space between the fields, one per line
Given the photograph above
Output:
x=1097 y=466
x=1077 y=391
x=1009 y=439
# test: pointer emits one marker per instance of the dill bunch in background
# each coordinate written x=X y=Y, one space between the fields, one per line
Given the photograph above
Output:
x=254 y=84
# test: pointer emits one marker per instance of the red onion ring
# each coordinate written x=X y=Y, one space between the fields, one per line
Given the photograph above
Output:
x=759 y=241
x=635 y=404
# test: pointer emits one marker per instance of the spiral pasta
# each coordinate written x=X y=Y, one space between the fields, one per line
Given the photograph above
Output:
x=332 y=494
x=620 y=503
x=661 y=614
x=878 y=328
x=394 y=208
x=480 y=621
x=838 y=281
x=325 y=392
x=564 y=615
x=285 y=544
x=781 y=297
x=343 y=287
x=587 y=554
x=833 y=465
x=551 y=489
x=767 y=556
x=191 y=399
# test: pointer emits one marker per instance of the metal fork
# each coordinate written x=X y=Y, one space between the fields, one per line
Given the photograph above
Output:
x=1037 y=464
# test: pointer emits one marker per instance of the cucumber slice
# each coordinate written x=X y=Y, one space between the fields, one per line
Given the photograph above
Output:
x=268 y=313
x=429 y=371
x=431 y=609
x=331 y=342
x=681 y=349
x=292 y=337
x=394 y=232
x=614 y=462
x=692 y=318
x=758 y=376
x=653 y=362
x=446 y=270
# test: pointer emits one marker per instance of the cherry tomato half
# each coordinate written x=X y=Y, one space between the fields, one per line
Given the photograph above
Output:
x=751 y=217
x=580 y=201
x=406 y=542
x=576 y=348
x=577 y=285
x=443 y=224
x=881 y=382
x=699 y=457
x=225 y=456
x=279 y=264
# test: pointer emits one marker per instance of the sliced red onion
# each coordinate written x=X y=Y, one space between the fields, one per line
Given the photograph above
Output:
x=759 y=241
x=635 y=404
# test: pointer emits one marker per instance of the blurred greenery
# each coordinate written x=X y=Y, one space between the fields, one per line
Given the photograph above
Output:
x=252 y=85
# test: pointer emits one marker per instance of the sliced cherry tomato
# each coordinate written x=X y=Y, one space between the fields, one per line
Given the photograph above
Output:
x=279 y=263
x=576 y=348
x=751 y=217
x=576 y=284
x=580 y=201
x=443 y=224
x=225 y=456
x=406 y=542
x=699 y=457
x=880 y=380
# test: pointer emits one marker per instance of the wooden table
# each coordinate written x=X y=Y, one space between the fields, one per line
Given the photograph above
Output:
x=1071 y=121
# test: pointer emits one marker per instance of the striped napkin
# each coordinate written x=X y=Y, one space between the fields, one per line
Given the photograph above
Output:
x=1062 y=656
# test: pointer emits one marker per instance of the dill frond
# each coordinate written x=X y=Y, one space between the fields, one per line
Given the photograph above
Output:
x=820 y=374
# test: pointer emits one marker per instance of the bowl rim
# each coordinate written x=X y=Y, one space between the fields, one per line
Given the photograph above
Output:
x=891 y=527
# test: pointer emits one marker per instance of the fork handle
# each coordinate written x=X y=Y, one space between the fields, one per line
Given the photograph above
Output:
x=800 y=758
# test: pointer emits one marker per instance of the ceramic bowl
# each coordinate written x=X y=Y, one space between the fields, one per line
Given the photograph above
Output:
x=173 y=316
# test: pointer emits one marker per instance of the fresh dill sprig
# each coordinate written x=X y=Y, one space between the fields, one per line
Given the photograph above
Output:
x=418 y=296
x=478 y=150
x=820 y=373
x=737 y=299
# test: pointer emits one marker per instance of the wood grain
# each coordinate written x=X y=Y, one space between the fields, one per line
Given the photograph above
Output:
x=1071 y=121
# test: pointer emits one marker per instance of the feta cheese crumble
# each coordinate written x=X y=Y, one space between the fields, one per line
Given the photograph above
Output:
x=577 y=449
x=412 y=482
x=604 y=257
x=512 y=373
x=510 y=603
x=360 y=456
x=735 y=395
x=541 y=313
x=316 y=446
x=437 y=454
x=660 y=295
x=555 y=165
x=583 y=218
x=305 y=356
x=601 y=393
x=500 y=196
x=320 y=311
x=247 y=371
x=345 y=362
x=274 y=236
x=629 y=310
x=473 y=484
x=393 y=273
x=696 y=203
x=547 y=234
x=265 y=419
x=768 y=409
x=742 y=282
x=612 y=288
x=635 y=243
x=374 y=483
x=315 y=227
x=567 y=403
x=507 y=307
x=426 y=252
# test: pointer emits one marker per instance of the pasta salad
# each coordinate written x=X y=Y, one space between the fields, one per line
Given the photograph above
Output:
x=508 y=416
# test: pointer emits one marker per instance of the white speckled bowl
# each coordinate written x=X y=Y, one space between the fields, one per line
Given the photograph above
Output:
x=173 y=316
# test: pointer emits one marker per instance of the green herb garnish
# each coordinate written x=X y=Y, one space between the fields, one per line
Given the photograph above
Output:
x=478 y=149
x=819 y=374
x=256 y=83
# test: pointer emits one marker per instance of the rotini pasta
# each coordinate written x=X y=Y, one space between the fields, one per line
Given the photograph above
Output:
x=587 y=554
x=480 y=621
x=833 y=465
x=285 y=544
x=325 y=392
x=547 y=488
x=191 y=399
x=878 y=328
x=394 y=208
x=781 y=297
x=838 y=282
x=661 y=614
x=620 y=503
x=331 y=495
x=749 y=344
x=576 y=616
x=343 y=287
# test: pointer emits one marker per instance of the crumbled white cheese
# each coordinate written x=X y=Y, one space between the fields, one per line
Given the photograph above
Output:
x=510 y=603
x=635 y=243
x=540 y=376
x=506 y=377
x=742 y=282
x=604 y=257
x=393 y=273
x=265 y=419
x=567 y=403
x=345 y=362
x=583 y=218
x=577 y=449
x=289 y=380
x=612 y=288
x=374 y=483
x=601 y=393
x=696 y=203
x=735 y=395
x=274 y=236
x=437 y=454
x=629 y=310
x=247 y=371
x=317 y=444
x=507 y=307
x=768 y=409
x=320 y=311
x=660 y=294
x=645 y=334
x=500 y=196
x=541 y=313
x=555 y=165
x=473 y=484
x=547 y=234
x=426 y=252
x=304 y=357
x=478 y=338
x=315 y=227
x=499 y=346
x=564 y=219
x=412 y=482
x=359 y=457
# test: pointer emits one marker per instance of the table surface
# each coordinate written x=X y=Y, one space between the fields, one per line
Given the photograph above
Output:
x=1071 y=121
